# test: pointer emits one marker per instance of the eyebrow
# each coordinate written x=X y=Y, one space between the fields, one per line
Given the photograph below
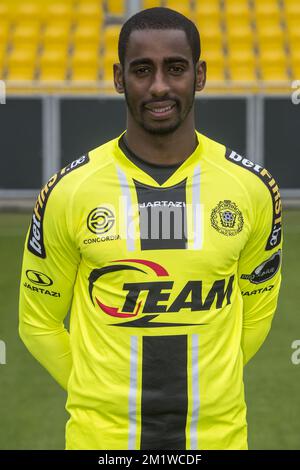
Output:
x=167 y=60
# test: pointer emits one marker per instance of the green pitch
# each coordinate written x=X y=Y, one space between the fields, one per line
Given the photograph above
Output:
x=32 y=414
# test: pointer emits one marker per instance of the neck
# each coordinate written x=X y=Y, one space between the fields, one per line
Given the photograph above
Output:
x=166 y=149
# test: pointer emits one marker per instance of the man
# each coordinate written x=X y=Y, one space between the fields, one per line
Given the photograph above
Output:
x=166 y=246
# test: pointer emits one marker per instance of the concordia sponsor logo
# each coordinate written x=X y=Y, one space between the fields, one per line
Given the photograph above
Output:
x=275 y=235
x=132 y=307
x=107 y=238
x=100 y=220
x=36 y=239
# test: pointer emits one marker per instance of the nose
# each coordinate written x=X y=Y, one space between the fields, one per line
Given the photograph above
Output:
x=159 y=86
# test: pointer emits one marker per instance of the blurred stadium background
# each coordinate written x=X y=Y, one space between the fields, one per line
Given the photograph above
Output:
x=56 y=66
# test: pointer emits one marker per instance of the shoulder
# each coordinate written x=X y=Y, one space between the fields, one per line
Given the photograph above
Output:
x=259 y=186
x=70 y=178
x=251 y=171
x=54 y=204
x=256 y=179
x=264 y=193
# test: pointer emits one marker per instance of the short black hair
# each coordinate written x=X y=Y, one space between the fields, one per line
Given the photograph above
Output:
x=159 y=18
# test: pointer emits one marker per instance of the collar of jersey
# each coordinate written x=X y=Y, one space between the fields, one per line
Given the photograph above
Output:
x=135 y=172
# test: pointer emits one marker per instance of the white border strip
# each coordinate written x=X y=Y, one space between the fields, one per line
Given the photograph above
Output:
x=133 y=392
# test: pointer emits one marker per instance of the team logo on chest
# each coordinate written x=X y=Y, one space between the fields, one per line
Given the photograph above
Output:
x=100 y=220
x=226 y=218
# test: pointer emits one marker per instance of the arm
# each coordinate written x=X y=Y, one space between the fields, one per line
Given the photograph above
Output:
x=259 y=272
x=49 y=270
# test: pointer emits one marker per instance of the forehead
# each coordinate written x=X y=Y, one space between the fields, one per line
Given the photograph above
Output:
x=155 y=44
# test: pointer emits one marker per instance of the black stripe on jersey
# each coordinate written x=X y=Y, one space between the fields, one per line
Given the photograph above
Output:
x=162 y=215
x=274 y=238
x=164 y=392
x=35 y=242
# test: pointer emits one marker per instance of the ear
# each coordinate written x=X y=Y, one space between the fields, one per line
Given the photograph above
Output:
x=118 y=78
x=200 y=75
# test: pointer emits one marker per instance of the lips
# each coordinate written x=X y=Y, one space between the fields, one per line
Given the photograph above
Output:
x=160 y=109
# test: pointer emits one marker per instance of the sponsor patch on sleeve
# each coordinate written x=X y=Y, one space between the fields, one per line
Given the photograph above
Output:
x=265 y=271
x=274 y=238
x=35 y=242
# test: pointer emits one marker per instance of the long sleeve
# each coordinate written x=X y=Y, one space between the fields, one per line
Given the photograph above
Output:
x=50 y=264
x=259 y=270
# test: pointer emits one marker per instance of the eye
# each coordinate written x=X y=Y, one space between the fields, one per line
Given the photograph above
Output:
x=177 y=69
x=142 y=70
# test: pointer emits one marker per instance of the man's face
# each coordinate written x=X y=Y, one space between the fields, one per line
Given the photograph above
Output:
x=159 y=80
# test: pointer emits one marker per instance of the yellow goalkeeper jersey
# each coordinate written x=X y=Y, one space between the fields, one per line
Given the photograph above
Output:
x=172 y=288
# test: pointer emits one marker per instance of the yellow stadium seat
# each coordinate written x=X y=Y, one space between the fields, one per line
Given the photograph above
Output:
x=83 y=73
x=85 y=63
x=292 y=7
x=240 y=42
x=26 y=32
x=240 y=32
x=210 y=23
x=52 y=53
x=56 y=10
x=212 y=49
x=87 y=33
x=182 y=7
x=213 y=55
x=266 y=7
x=21 y=62
x=108 y=61
x=269 y=53
x=237 y=21
x=211 y=8
x=23 y=52
x=89 y=11
x=87 y=57
x=268 y=21
x=53 y=73
x=237 y=57
x=28 y=10
x=296 y=70
x=237 y=7
x=2 y=55
x=293 y=28
x=2 y=71
x=209 y=44
x=274 y=71
x=152 y=3
x=57 y=32
x=215 y=72
x=242 y=72
x=23 y=72
x=110 y=37
x=4 y=9
x=271 y=42
x=239 y=53
x=295 y=63
x=2 y=68
x=4 y=32
x=53 y=65
x=116 y=8
x=294 y=51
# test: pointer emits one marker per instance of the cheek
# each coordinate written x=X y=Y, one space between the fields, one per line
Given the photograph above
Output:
x=136 y=88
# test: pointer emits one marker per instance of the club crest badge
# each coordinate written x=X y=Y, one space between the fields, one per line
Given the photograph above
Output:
x=226 y=218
